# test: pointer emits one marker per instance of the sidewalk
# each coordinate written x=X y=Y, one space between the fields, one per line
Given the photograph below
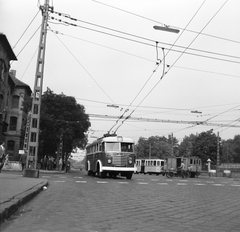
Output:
x=16 y=190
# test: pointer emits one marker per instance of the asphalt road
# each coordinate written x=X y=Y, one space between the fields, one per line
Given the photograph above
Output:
x=77 y=202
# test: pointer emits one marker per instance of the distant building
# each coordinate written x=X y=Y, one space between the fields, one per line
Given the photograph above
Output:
x=12 y=93
x=78 y=155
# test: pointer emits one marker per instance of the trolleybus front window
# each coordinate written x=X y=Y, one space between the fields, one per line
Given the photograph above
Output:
x=127 y=147
x=112 y=146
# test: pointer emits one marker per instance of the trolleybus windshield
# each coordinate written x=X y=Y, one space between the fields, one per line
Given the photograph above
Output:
x=115 y=146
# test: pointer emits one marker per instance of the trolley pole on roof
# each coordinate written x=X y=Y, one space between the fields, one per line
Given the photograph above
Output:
x=33 y=142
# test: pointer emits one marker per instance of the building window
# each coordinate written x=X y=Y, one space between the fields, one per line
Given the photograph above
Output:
x=34 y=123
x=35 y=109
x=10 y=145
x=2 y=69
x=33 y=137
x=13 y=124
x=1 y=103
x=15 y=101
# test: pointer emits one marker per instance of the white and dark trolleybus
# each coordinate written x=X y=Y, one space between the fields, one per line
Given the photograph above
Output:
x=110 y=155
x=149 y=166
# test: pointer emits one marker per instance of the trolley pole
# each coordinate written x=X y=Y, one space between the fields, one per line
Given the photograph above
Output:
x=33 y=142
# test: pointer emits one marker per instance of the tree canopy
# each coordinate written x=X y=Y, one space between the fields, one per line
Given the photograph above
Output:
x=62 y=118
x=203 y=145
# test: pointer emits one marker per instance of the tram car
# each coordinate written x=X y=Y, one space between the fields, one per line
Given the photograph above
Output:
x=193 y=166
x=149 y=166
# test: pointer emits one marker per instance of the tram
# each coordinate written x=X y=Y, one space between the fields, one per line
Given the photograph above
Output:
x=193 y=166
x=111 y=155
x=149 y=166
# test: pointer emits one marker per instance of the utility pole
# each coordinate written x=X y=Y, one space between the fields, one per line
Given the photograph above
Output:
x=218 y=157
x=33 y=142
x=150 y=150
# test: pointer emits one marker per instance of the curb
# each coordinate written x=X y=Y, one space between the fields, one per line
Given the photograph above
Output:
x=12 y=205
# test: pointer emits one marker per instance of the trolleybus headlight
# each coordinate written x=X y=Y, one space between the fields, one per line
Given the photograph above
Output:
x=109 y=161
x=130 y=160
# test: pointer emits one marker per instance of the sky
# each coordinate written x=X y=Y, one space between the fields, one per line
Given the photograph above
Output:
x=132 y=79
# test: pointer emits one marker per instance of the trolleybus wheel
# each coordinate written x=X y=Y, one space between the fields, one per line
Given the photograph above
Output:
x=102 y=174
x=89 y=173
x=129 y=176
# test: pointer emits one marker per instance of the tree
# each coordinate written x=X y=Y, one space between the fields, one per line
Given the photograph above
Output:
x=62 y=118
x=205 y=146
x=186 y=146
x=155 y=146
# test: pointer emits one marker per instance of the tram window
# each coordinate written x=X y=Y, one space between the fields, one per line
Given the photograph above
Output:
x=191 y=161
x=154 y=162
x=158 y=163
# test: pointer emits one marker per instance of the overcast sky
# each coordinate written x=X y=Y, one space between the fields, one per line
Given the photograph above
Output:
x=109 y=57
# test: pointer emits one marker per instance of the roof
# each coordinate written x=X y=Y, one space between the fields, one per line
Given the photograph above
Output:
x=7 y=46
x=19 y=83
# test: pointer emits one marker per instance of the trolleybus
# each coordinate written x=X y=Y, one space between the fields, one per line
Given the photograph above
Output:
x=111 y=155
x=149 y=166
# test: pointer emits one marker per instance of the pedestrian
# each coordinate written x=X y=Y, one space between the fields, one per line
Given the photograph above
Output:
x=45 y=162
x=23 y=160
x=2 y=155
x=68 y=166
x=182 y=167
x=60 y=163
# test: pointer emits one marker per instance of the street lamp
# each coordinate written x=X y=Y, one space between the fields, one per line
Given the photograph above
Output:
x=165 y=28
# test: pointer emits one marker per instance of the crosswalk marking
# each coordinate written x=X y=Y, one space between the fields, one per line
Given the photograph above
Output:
x=58 y=181
x=181 y=183
x=123 y=182
x=199 y=184
x=81 y=181
x=102 y=182
x=162 y=183
x=142 y=183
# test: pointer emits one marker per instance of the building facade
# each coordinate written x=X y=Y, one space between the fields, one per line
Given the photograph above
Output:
x=12 y=94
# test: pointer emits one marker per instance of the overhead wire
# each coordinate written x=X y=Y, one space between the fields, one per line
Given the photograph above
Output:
x=155 y=21
x=199 y=34
x=84 y=68
x=143 y=38
x=202 y=30
x=150 y=60
x=28 y=41
x=26 y=29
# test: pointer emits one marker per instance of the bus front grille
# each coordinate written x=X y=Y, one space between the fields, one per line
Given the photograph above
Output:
x=120 y=160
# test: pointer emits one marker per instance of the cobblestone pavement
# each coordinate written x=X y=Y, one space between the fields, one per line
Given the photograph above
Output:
x=77 y=202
